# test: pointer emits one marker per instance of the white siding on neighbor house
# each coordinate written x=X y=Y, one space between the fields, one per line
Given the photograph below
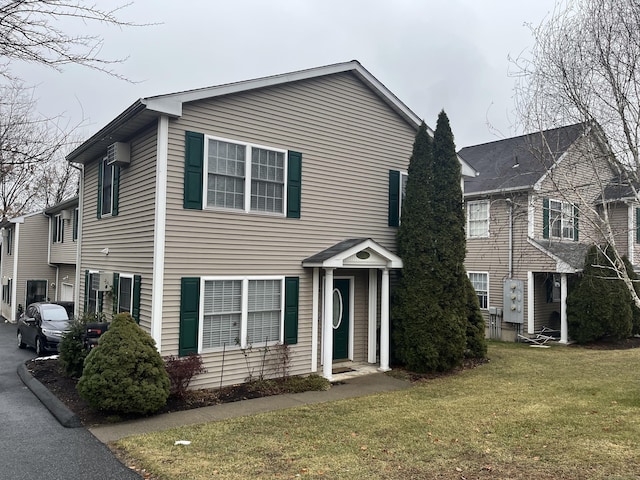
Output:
x=7 y=270
x=129 y=235
x=32 y=250
x=349 y=141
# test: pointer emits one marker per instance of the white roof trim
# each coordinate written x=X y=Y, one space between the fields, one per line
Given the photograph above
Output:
x=337 y=261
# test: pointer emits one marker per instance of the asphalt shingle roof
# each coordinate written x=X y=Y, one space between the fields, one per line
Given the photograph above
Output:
x=518 y=162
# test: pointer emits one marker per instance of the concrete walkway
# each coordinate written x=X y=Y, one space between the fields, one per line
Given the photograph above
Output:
x=347 y=386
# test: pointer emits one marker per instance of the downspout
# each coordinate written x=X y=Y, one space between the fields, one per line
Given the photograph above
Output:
x=76 y=289
x=49 y=241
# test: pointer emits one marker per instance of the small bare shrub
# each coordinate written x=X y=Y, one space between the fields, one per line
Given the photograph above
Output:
x=181 y=371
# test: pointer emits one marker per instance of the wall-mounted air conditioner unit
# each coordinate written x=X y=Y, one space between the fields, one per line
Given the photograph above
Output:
x=106 y=281
x=66 y=214
x=119 y=153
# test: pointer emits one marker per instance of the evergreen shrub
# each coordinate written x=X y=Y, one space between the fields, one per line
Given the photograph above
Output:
x=125 y=374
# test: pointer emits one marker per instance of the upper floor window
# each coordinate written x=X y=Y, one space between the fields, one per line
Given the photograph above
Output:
x=57 y=234
x=478 y=219
x=107 y=188
x=560 y=220
x=244 y=177
x=9 y=241
x=397 y=193
x=480 y=282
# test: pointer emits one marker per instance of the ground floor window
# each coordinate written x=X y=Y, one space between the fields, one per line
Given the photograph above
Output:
x=6 y=291
x=480 y=282
x=241 y=311
x=93 y=285
x=125 y=293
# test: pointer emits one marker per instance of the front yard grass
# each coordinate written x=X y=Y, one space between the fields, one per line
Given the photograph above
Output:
x=560 y=412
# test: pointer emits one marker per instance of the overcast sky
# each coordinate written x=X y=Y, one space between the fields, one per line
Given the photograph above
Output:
x=432 y=54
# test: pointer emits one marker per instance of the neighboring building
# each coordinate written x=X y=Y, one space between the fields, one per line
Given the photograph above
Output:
x=249 y=214
x=38 y=258
x=532 y=213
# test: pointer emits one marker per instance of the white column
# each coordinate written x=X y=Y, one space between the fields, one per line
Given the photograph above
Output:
x=384 y=322
x=314 y=318
x=327 y=325
x=373 y=315
x=564 y=329
x=531 y=324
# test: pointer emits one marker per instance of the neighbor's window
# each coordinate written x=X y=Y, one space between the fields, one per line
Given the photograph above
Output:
x=92 y=294
x=244 y=177
x=125 y=293
x=75 y=224
x=241 y=311
x=107 y=187
x=561 y=219
x=58 y=229
x=480 y=282
x=6 y=291
x=10 y=241
x=478 y=219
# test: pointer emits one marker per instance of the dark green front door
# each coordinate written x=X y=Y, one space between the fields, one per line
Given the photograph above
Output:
x=341 y=319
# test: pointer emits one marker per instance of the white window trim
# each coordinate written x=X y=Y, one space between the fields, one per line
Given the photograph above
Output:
x=564 y=219
x=247 y=177
x=488 y=285
x=120 y=277
x=472 y=202
x=244 y=314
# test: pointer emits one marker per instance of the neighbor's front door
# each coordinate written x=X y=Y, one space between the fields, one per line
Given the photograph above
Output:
x=341 y=318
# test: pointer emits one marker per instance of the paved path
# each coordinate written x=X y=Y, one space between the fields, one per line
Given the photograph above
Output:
x=33 y=444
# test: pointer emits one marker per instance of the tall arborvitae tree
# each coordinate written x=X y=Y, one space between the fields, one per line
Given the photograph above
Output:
x=430 y=313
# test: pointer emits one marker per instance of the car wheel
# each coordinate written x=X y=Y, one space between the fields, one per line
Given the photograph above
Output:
x=21 y=344
x=39 y=348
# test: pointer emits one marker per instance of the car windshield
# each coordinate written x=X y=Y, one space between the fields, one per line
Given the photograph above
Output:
x=54 y=313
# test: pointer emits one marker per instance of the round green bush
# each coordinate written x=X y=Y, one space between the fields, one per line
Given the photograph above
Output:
x=125 y=373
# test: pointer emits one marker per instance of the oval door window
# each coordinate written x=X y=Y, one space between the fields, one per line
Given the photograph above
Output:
x=337 y=308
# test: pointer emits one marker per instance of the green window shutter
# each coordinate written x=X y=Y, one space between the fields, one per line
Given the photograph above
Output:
x=115 y=291
x=291 y=295
x=75 y=224
x=575 y=223
x=394 y=198
x=115 y=190
x=294 y=184
x=545 y=218
x=86 y=291
x=193 y=170
x=100 y=175
x=637 y=225
x=54 y=229
x=135 y=301
x=189 y=315
x=62 y=232
x=100 y=302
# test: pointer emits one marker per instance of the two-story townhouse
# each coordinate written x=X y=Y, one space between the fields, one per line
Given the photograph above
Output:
x=38 y=259
x=532 y=213
x=250 y=214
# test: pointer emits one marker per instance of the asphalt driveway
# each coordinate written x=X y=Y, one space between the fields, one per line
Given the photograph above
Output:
x=32 y=442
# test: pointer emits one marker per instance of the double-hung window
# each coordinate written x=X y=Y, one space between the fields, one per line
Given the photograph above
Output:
x=562 y=222
x=58 y=229
x=93 y=285
x=480 y=282
x=107 y=187
x=241 y=311
x=244 y=177
x=397 y=193
x=125 y=293
x=75 y=224
x=478 y=219
x=9 y=241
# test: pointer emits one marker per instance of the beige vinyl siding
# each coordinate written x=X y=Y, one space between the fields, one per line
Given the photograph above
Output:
x=129 y=235
x=619 y=220
x=64 y=252
x=349 y=141
x=32 y=256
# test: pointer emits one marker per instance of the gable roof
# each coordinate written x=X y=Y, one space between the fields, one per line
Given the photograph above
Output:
x=145 y=110
x=517 y=163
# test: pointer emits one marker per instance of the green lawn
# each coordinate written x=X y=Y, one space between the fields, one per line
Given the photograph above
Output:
x=560 y=412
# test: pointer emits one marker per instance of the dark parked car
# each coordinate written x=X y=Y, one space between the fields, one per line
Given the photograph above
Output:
x=42 y=326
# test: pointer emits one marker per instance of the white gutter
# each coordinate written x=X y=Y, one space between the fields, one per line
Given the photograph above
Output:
x=14 y=290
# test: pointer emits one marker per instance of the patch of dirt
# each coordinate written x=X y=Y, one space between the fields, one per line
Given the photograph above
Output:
x=48 y=372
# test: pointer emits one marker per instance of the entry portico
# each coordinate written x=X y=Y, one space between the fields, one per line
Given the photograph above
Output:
x=351 y=254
